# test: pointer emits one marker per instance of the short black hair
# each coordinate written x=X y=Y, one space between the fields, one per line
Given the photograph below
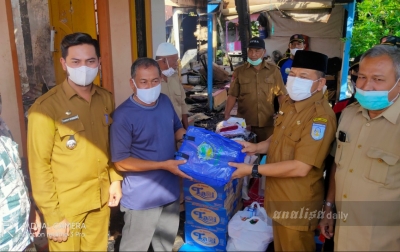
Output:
x=78 y=38
x=145 y=63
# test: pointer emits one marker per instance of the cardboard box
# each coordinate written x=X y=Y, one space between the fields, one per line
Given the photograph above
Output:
x=201 y=237
x=215 y=219
x=220 y=197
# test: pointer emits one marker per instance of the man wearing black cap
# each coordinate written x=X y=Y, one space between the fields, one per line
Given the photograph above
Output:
x=304 y=130
x=390 y=40
x=255 y=87
x=296 y=43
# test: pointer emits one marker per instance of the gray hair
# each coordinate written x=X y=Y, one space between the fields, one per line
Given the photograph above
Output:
x=392 y=51
x=145 y=63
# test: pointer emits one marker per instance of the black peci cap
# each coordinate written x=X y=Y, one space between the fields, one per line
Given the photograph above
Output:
x=310 y=60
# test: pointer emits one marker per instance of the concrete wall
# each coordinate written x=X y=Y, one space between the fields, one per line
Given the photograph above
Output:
x=19 y=41
x=121 y=49
x=39 y=20
x=158 y=23
x=32 y=33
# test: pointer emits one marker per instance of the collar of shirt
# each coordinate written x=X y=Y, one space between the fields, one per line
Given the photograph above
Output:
x=300 y=105
x=391 y=114
x=264 y=64
x=70 y=92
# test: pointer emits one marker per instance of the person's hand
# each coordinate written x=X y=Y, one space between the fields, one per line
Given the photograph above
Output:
x=115 y=193
x=326 y=224
x=226 y=117
x=59 y=232
x=172 y=167
x=248 y=148
x=35 y=222
x=242 y=170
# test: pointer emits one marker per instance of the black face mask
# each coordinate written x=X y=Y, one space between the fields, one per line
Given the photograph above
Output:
x=354 y=78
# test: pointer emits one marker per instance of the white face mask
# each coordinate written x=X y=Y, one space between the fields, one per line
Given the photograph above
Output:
x=82 y=76
x=299 y=89
x=293 y=51
x=169 y=72
x=148 y=95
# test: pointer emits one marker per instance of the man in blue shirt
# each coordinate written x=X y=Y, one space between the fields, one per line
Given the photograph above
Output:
x=296 y=43
x=143 y=139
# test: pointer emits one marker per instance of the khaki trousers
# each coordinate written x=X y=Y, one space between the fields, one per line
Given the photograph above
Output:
x=286 y=239
x=88 y=232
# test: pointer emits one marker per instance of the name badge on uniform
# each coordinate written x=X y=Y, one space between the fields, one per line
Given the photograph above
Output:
x=72 y=118
x=318 y=131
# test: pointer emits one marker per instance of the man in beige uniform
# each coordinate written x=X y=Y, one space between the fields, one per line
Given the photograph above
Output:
x=303 y=133
x=73 y=179
x=167 y=58
x=255 y=86
x=365 y=179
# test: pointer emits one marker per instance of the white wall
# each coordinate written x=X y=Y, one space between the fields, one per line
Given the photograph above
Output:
x=158 y=23
x=121 y=49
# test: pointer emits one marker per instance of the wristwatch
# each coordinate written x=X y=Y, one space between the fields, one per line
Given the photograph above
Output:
x=329 y=204
x=254 y=172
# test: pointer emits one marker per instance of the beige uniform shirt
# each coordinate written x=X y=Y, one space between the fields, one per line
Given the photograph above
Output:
x=175 y=92
x=303 y=132
x=255 y=92
x=67 y=182
x=368 y=180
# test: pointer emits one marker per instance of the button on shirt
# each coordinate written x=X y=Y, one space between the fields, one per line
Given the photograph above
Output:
x=303 y=132
x=65 y=181
x=368 y=180
x=255 y=92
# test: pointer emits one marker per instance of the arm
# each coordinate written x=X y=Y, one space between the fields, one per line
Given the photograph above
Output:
x=179 y=134
x=185 y=121
x=327 y=224
x=256 y=148
x=230 y=103
x=41 y=131
x=138 y=165
x=184 y=107
x=284 y=169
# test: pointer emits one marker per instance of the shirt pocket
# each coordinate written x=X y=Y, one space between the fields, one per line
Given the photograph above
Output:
x=381 y=164
x=292 y=136
x=342 y=154
x=73 y=128
x=245 y=86
x=267 y=86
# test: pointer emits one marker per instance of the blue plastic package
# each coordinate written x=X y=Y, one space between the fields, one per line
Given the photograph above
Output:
x=207 y=155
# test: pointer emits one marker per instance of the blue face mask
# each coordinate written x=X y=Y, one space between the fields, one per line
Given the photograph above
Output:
x=254 y=62
x=374 y=100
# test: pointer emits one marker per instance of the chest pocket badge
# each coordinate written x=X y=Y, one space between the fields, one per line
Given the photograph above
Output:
x=318 y=131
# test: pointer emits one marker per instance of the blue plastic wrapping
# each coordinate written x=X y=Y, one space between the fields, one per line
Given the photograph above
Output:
x=207 y=155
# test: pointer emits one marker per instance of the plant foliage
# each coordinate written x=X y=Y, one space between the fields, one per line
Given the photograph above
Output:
x=374 y=19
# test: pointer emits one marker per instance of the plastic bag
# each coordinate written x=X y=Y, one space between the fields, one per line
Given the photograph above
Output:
x=207 y=155
x=250 y=234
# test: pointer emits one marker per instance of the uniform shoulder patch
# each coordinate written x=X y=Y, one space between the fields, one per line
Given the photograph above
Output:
x=318 y=131
x=49 y=93
x=320 y=119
